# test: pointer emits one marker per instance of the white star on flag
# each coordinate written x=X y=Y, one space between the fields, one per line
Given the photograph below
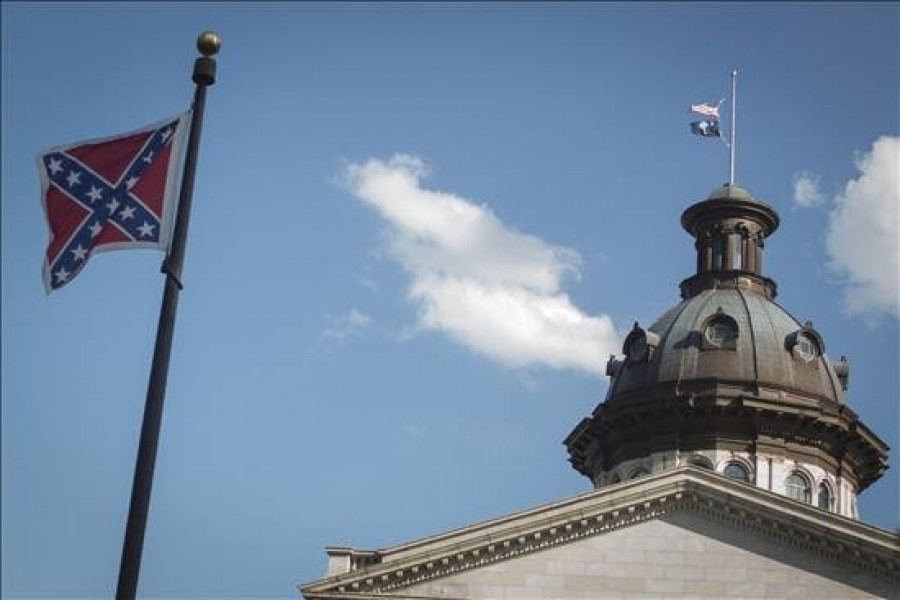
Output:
x=132 y=181
x=79 y=252
x=95 y=194
x=73 y=178
x=112 y=205
x=146 y=229
x=127 y=213
x=55 y=165
x=62 y=275
x=95 y=229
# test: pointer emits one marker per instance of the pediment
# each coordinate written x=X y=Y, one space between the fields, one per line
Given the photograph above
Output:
x=687 y=498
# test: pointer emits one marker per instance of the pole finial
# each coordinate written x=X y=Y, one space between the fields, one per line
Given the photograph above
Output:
x=208 y=43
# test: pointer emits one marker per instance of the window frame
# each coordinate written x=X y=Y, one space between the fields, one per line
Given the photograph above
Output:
x=747 y=473
x=805 y=337
x=719 y=319
x=807 y=486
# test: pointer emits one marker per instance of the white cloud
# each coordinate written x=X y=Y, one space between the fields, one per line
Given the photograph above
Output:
x=493 y=289
x=806 y=190
x=864 y=229
x=344 y=327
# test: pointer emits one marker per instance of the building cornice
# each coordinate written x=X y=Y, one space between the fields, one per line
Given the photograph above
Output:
x=719 y=409
x=744 y=507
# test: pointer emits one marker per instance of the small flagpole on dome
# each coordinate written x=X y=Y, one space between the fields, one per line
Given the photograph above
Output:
x=733 y=126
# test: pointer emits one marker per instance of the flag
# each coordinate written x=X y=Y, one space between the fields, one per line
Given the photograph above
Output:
x=707 y=110
x=113 y=193
x=706 y=128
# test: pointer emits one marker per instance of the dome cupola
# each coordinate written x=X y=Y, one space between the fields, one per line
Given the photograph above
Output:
x=730 y=228
x=728 y=380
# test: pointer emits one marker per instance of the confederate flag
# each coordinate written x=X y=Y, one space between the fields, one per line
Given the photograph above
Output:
x=108 y=194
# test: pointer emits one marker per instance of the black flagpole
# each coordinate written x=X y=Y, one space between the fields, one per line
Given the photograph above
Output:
x=204 y=75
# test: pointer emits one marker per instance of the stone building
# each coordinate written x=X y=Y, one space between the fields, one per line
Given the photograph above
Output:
x=725 y=461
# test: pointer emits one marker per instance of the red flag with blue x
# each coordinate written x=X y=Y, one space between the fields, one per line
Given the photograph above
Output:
x=108 y=194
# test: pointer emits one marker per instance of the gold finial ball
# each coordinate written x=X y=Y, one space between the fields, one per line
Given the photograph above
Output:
x=208 y=43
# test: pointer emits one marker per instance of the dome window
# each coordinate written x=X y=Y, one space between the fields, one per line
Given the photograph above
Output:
x=798 y=487
x=720 y=332
x=805 y=348
x=736 y=470
x=805 y=344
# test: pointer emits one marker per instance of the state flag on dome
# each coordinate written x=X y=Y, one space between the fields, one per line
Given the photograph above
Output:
x=706 y=128
x=112 y=193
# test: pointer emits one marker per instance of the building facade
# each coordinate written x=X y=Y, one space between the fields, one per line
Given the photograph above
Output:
x=725 y=463
x=729 y=381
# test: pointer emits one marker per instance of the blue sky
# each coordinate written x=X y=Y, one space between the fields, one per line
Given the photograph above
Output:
x=364 y=169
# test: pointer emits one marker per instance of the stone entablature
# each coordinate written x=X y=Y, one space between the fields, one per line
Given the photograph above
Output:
x=825 y=440
x=752 y=510
x=767 y=471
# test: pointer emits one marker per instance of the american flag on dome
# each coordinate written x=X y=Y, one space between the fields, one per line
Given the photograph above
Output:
x=707 y=110
x=113 y=193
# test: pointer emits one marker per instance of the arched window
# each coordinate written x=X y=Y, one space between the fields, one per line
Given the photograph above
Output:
x=824 y=496
x=736 y=471
x=798 y=487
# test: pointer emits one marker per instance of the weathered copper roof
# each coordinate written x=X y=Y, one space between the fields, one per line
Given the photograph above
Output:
x=730 y=192
x=727 y=366
x=761 y=355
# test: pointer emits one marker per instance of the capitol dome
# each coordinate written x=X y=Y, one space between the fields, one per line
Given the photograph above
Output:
x=730 y=381
x=729 y=336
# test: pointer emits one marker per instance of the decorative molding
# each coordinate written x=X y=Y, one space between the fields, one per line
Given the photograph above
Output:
x=737 y=505
x=813 y=429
